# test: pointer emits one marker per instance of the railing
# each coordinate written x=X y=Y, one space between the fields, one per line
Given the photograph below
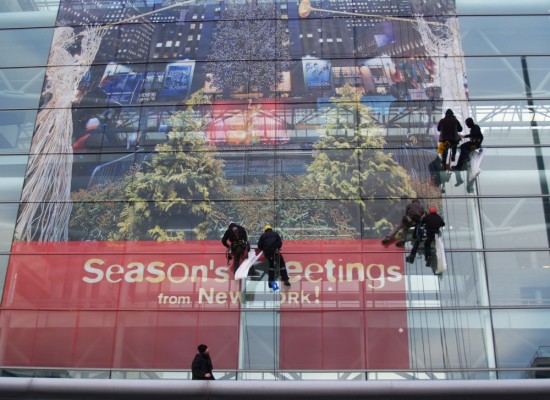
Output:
x=116 y=169
x=88 y=389
x=440 y=374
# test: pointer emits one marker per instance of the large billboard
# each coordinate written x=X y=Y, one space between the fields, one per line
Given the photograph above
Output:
x=162 y=121
x=147 y=304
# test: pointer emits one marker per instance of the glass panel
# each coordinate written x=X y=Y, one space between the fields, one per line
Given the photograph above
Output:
x=8 y=215
x=17 y=14
x=462 y=285
x=512 y=122
x=3 y=270
x=16 y=130
x=449 y=339
x=260 y=340
x=509 y=35
x=21 y=87
x=12 y=172
x=518 y=278
x=26 y=47
x=509 y=171
x=521 y=341
x=487 y=74
x=492 y=7
x=514 y=223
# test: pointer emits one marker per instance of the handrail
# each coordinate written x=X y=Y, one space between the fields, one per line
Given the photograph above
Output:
x=84 y=389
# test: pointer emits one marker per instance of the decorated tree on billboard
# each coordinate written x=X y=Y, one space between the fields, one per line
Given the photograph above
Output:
x=294 y=204
x=96 y=210
x=248 y=37
x=179 y=185
x=350 y=162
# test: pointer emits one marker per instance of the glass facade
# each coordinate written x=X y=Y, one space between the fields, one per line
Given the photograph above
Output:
x=132 y=133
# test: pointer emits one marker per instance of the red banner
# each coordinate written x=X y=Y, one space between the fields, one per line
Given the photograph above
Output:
x=148 y=304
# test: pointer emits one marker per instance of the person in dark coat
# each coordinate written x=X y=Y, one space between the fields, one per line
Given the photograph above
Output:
x=432 y=223
x=476 y=138
x=413 y=215
x=201 y=368
x=449 y=128
x=235 y=239
x=270 y=243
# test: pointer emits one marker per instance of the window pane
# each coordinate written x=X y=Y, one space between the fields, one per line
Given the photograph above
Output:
x=518 y=278
x=512 y=122
x=514 y=223
x=509 y=171
x=505 y=35
x=8 y=214
x=492 y=7
x=26 y=47
x=16 y=130
x=12 y=172
x=21 y=87
x=521 y=340
x=463 y=284
x=15 y=14
x=448 y=339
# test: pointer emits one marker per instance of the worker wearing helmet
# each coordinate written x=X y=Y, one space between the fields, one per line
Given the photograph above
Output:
x=431 y=222
x=270 y=243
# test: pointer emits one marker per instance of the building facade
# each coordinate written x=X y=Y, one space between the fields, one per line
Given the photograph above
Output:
x=133 y=131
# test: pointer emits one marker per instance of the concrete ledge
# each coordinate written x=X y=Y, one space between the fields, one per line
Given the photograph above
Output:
x=106 y=389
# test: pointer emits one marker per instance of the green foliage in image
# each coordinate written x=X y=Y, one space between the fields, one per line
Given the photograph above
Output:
x=350 y=164
x=96 y=211
x=292 y=205
x=181 y=192
x=173 y=194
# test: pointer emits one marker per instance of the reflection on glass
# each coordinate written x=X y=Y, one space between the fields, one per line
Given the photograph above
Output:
x=16 y=128
x=12 y=171
x=493 y=34
x=8 y=215
x=514 y=223
x=449 y=339
x=521 y=341
x=21 y=88
x=26 y=47
x=518 y=278
x=41 y=13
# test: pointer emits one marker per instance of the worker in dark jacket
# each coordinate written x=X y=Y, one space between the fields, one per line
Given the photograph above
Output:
x=476 y=138
x=235 y=239
x=448 y=138
x=413 y=215
x=432 y=224
x=201 y=368
x=270 y=243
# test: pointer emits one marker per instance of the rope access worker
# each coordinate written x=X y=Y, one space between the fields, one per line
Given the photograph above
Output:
x=476 y=138
x=448 y=138
x=431 y=224
x=238 y=243
x=413 y=215
x=270 y=243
